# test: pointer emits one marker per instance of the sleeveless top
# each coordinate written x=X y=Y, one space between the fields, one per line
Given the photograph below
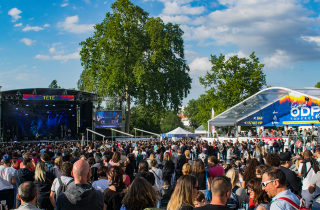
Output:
x=265 y=205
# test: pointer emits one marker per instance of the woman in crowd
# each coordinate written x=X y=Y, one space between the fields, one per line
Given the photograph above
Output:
x=126 y=178
x=187 y=169
x=102 y=183
x=187 y=154
x=168 y=167
x=151 y=157
x=130 y=166
x=239 y=191
x=94 y=175
x=201 y=175
x=139 y=156
x=140 y=195
x=113 y=194
x=43 y=180
x=58 y=164
x=257 y=153
x=259 y=197
x=158 y=179
x=116 y=157
x=184 y=194
x=249 y=173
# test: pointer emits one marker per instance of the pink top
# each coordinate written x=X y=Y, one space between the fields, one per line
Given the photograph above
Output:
x=216 y=171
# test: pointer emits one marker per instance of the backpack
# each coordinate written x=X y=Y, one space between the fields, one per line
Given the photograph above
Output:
x=275 y=145
x=62 y=187
x=233 y=200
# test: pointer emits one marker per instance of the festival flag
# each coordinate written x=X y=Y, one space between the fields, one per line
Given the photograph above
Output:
x=213 y=128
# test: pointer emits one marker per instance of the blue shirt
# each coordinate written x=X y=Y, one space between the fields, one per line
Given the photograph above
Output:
x=282 y=204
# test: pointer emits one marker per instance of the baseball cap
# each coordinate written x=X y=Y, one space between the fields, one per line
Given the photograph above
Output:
x=286 y=156
x=6 y=157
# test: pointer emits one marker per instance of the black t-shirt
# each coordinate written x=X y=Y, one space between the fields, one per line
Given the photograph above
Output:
x=112 y=198
x=213 y=207
x=44 y=188
x=201 y=178
x=148 y=176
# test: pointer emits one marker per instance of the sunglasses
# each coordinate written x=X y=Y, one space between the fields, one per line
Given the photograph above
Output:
x=264 y=184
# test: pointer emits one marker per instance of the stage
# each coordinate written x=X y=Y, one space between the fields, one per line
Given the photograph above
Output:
x=27 y=115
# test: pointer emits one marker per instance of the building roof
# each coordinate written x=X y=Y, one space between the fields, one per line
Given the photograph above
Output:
x=259 y=101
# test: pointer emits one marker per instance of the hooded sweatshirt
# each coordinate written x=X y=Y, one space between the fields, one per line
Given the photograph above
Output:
x=23 y=175
x=80 y=196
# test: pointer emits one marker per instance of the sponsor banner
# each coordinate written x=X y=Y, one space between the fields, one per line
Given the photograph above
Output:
x=293 y=109
x=48 y=97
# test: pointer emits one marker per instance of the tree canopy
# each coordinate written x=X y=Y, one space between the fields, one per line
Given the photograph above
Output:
x=317 y=85
x=54 y=84
x=170 y=122
x=136 y=57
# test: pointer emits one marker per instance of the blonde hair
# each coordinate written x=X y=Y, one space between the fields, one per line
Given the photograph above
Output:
x=234 y=176
x=187 y=153
x=58 y=161
x=40 y=173
x=167 y=156
x=183 y=193
x=258 y=148
x=187 y=169
x=152 y=156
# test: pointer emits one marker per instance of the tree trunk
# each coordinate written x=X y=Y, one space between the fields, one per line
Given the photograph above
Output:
x=127 y=111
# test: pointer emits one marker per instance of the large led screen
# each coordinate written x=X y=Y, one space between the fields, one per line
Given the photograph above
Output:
x=108 y=119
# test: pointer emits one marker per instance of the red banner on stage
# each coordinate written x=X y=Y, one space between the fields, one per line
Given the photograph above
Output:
x=48 y=97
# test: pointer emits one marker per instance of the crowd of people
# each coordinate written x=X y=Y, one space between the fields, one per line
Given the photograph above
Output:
x=173 y=175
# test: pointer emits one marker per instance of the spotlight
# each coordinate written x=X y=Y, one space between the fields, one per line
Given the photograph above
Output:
x=17 y=108
x=53 y=105
x=46 y=105
x=27 y=105
x=69 y=109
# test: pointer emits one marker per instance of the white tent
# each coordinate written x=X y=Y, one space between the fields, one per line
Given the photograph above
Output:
x=200 y=130
x=179 y=130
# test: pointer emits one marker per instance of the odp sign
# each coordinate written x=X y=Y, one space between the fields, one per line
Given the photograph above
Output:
x=305 y=111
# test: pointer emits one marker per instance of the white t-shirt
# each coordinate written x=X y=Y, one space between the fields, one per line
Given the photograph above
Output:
x=270 y=143
x=6 y=174
x=55 y=185
x=101 y=184
x=157 y=184
x=307 y=180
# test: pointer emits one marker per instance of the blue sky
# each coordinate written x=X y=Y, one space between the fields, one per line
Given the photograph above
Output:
x=40 y=39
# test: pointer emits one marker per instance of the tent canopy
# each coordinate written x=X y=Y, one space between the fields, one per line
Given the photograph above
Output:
x=200 y=130
x=276 y=102
x=179 y=132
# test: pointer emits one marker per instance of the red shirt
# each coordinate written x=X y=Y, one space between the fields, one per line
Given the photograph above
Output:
x=216 y=171
x=19 y=162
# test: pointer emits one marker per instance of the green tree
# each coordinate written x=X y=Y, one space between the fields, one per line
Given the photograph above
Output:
x=234 y=80
x=54 y=84
x=137 y=57
x=190 y=111
x=145 y=118
x=170 y=122
x=317 y=85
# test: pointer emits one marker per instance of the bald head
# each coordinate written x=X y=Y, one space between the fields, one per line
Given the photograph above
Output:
x=81 y=172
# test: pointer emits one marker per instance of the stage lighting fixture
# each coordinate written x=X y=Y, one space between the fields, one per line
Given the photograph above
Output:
x=19 y=114
x=69 y=109
x=53 y=105
x=26 y=114
x=46 y=105
x=27 y=105
x=73 y=115
x=71 y=105
x=17 y=108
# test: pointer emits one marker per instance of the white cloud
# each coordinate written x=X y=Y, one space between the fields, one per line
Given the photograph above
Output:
x=17 y=24
x=200 y=66
x=64 y=5
x=63 y=58
x=27 y=41
x=105 y=2
x=46 y=25
x=23 y=76
x=279 y=59
x=70 y=25
x=87 y=1
x=315 y=39
x=34 y=28
x=190 y=55
x=53 y=50
x=14 y=12
x=240 y=55
x=171 y=8
x=31 y=18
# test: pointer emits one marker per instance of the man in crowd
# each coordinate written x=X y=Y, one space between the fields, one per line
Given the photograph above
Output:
x=307 y=169
x=79 y=194
x=7 y=181
x=27 y=194
x=230 y=154
x=181 y=161
x=28 y=155
x=293 y=182
x=221 y=190
x=274 y=183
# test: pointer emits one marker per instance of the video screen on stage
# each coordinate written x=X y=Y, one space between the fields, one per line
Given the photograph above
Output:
x=108 y=119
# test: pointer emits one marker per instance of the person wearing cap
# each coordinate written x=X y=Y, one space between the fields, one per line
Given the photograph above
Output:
x=7 y=181
x=293 y=182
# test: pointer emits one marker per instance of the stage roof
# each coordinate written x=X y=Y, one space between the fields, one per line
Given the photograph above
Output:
x=17 y=94
x=259 y=101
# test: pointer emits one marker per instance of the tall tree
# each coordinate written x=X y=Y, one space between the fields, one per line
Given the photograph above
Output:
x=145 y=118
x=54 y=84
x=234 y=80
x=190 y=111
x=317 y=85
x=170 y=122
x=136 y=57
